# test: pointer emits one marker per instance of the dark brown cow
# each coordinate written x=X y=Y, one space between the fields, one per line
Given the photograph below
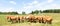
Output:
x=47 y=19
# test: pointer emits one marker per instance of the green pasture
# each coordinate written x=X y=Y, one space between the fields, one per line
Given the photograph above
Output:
x=55 y=22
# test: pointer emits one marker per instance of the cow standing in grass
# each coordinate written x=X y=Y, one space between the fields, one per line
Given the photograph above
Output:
x=21 y=19
x=39 y=19
x=13 y=19
x=47 y=19
x=31 y=18
x=8 y=18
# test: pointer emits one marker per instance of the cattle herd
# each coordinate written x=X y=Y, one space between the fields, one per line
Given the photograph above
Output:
x=30 y=18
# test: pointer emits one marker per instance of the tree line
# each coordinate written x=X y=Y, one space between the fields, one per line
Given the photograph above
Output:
x=34 y=12
x=11 y=13
x=46 y=11
x=52 y=11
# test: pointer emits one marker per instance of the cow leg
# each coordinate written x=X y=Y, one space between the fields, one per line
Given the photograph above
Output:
x=14 y=21
x=11 y=21
x=44 y=22
x=35 y=20
x=22 y=20
x=19 y=20
x=31 y=21
x=39 y=21
x=49 y=22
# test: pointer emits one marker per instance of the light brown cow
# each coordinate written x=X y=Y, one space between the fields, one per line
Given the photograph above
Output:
x=21 y=19
x=13 y=19
x=31 y=18
x=38 y=19
x=47 y=19
x=8 y=17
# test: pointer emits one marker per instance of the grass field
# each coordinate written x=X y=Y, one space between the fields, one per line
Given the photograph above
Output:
x=55 y=16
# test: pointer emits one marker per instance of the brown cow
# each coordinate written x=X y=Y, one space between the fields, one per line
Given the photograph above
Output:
x=31 y=18
x=47 y=19
x=21 y=19
x=8 y=18
x=38 y=19
x=13 y=19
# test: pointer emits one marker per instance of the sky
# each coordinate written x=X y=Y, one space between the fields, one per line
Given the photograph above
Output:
x=28 y=5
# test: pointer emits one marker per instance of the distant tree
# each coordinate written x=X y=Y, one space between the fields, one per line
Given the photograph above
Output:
x=32 y=12
x=23 y=13
x=36 y=11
